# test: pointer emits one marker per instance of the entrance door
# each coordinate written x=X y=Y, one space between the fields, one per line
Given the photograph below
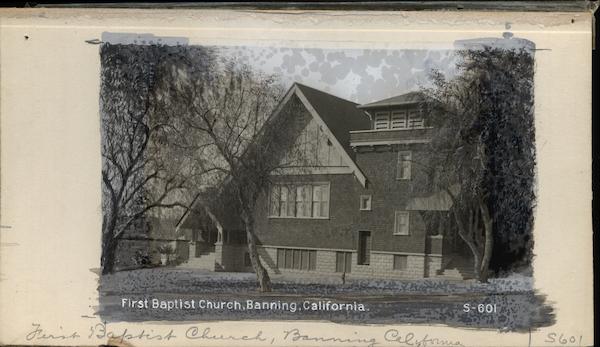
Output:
x=364 y=247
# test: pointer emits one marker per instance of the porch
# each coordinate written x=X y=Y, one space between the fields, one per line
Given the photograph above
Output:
x=216 y=251
x=455 y=259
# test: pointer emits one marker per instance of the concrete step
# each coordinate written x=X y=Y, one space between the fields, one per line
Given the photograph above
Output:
x=458 y=268
x=205 y=262
x=454 y=273
x=200 y=266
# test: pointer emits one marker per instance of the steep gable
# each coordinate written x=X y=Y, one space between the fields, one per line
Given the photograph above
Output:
x=312 y=146
x=340 y=115
x=337 y=117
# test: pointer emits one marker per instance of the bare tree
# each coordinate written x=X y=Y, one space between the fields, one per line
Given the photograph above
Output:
x=483 y=152
x=228 y=119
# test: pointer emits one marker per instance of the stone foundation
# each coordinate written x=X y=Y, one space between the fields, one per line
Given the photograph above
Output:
x=381 y=265
x=232 y=257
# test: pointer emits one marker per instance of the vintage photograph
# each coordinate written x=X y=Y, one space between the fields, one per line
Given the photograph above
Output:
x=301 y=183
x=323 y=174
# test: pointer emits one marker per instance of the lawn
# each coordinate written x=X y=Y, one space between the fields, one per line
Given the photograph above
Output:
x=186 y=281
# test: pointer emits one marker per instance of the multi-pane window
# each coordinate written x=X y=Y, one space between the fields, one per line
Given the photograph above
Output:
x=364 y=247
x=297 y=259
x=300 y=201
x=403 y=166
x=382 y=120
x=303 y=201
x=275 y=201
x=285 y=193
x=320 y=201
x=398 y=120
x=401 y=223
x=343 y=261
x=365 y=202
x=400 y=262
x=415 y=120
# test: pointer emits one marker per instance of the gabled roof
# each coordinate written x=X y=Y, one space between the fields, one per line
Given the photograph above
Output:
x=337 y=117
x=400 y=100
x=219 y=202
x=341 y=116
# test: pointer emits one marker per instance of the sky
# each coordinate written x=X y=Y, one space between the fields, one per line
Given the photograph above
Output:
x=358 y=75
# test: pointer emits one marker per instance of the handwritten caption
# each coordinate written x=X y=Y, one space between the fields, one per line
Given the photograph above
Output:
x=103 y=331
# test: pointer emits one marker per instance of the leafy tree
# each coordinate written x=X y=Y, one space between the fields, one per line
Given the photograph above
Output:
x=226 y=119
x=484 y=155
x=140 y=172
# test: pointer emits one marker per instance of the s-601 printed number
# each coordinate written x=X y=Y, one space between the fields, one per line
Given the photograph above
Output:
x=480 y=308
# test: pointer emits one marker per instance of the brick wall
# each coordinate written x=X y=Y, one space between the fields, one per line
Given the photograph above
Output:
x=335 y=232
x=389 y=195
x=340 y=230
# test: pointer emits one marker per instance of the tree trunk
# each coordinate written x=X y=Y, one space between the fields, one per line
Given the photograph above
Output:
x=262 y=276
x=462 y=232
x=488 y=244
x=109 y=245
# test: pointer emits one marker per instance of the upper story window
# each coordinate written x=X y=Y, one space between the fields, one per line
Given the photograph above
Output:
x=404 y=165
x=402 y=223
x=309 y=200
x=398 y=120
x=382 y=120
x=415 y=120
x=365 y=202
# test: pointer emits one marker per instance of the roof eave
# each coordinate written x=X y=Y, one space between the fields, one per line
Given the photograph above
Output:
x=371 y=106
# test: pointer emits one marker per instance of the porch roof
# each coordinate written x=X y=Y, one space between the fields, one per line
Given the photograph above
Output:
x=439 y=201
x=220 y=204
